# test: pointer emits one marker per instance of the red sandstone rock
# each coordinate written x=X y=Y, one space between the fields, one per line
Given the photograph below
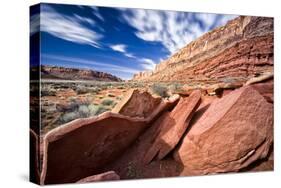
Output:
x=265 y=89
x=131 y=164
x=143 y=105
x=107 y=176
x=78 y=149
x=137 y=103
x=172 y=127
x=231 y=134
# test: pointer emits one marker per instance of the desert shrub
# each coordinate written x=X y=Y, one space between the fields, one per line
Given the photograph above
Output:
x=69 y=116
x=107 y=102
x=159 y=90
x=96 y=109
x=48 y=92
x=83 y=111
x=81 y=90
x=175 y=87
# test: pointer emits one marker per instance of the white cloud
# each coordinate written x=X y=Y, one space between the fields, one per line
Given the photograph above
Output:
x=147 y=64
x=118 y=47
x=34 y=24
x=68 y=28
x=83 y=19
x=123 y=49
x=173 y=29
x=89 y=63
x=97 y=13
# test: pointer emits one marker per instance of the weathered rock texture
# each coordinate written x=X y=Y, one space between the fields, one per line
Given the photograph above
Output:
x=235 y=52
x=231 y=134
x=137 y=103
x=78 y=149
x=107 y=176
x=142 y=104
x=64 y=73
x=82 y=147
x=172 y=127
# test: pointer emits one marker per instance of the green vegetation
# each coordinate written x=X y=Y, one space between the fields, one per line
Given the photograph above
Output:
x=175 y=87
x=82 y=111
x=160 y=90
x=107 y=102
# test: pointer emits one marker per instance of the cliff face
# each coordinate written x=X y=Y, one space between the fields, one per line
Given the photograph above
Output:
x=241 y=49
x=63 y=73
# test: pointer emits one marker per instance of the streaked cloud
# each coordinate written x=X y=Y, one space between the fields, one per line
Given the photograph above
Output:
x=70 y=28
x=122 y=48
x=147 y=64
x=88 y=63
x=97 y=13
x=173 y=29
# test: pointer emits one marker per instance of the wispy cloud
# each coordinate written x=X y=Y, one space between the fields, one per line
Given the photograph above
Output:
x=118 y=47
x=147 y=64
x=85 y=20
x=173 y=29
x=122 y=48
x=70 y=28
x=34 y=24
x=97 y=13
x=88 y=63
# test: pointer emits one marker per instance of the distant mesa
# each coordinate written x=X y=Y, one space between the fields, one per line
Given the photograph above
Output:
x=64 y=73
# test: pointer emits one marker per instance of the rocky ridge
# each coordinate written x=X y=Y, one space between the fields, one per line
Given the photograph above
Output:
x=64 y=73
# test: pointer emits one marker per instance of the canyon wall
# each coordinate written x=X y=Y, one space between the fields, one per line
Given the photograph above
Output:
x=241 y=49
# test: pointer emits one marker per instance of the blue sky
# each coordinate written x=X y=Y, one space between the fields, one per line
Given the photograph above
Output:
x=119 y=41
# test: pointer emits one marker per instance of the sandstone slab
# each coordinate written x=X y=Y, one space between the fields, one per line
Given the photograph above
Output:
x=78 y=149
x=172 y=127
x=232 y=133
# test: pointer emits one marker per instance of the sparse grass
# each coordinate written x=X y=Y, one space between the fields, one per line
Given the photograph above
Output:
x=107 y=102
x=159 y=90
x=175 y=87
x=82 y=111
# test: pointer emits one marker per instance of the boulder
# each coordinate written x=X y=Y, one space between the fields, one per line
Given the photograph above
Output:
x=79 y=148
x=172 y=127
x=106 y=176
x=265 y=89
x=232 y=133
x=137 y=103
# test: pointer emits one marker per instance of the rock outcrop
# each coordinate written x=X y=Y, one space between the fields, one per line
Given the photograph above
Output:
x=172 y=127
x=82 y=147
x=142 y=104
x=232 y=53
x=64 y=73
x=137 y=103
x=106 y=176
x=78 y=149
x=232 y=133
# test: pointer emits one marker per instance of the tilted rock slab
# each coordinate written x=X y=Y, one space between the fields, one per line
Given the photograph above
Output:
x=233 y=132
x=106 y=176
x=142 y=104
x=173 y=126
x=80 y=148
x=137 y=103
